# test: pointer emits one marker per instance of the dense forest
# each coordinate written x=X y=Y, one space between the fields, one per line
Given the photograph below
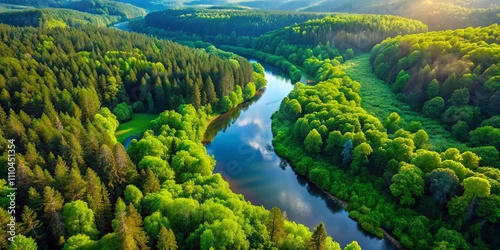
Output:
x=210 y=23
x=437 y=14
x=333 y=36
x=51 y=18
x=79 y=188
x=64 y=91
x=451 y=76
x=101 y=7
x=385 y=170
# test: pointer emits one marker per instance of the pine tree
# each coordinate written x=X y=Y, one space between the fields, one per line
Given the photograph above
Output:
x=276 y=226
x=128 y=227
x=52 y=205
x=209 y=89
x=30 y=225
x=151 y=182
x=76 y=186
x=97 y=198
x=318 y=238
x=166 y=239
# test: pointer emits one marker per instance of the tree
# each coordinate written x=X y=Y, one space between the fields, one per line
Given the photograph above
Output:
x=318 y=238
x=128 y=227
x=427 y=160
x=79 y=219
x=89 y=103
x=313 y=142
x=23 y=243
x=151 y=182
x=349 y=54
x=433 y=107
x=225 y=234
x=407 y=184
x=476 y=187
x=360 y=156
x=81 y=242
x=489 y=208
x=123 y=112
x=133 y=195
x=460 y=97
x=420 y=138
x=97 y=198
x=30 y=225
x=347 y=152
x=442 y=184
x=52 y=206
x=166 y=240
x=276 y=226
x=352 y=246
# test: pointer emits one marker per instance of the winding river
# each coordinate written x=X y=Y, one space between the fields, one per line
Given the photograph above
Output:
x=241 y=141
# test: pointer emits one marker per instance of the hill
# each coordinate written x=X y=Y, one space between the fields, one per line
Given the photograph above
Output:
x=101 y=7
x=437 y=14
x=53 y=17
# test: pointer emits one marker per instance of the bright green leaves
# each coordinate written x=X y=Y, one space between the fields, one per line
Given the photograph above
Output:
x=407 y=184
x=79 y=219
x=313 y=142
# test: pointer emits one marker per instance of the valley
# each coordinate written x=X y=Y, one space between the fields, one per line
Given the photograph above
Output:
x=250 y=124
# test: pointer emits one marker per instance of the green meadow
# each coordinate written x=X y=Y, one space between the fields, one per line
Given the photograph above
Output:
x=380 y=101
x=136 y=126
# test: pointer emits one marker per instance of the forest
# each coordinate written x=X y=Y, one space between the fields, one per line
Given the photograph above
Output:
x=449 y=76
x=425 y=198
x=99 y=7
x=67 y=83
x=52 y=18
x=62 y=98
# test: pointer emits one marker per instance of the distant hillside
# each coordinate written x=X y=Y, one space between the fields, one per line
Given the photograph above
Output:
x=52 y=17
x=225 y=22
x=112 y=8
x=437 y=14
x=106 y=7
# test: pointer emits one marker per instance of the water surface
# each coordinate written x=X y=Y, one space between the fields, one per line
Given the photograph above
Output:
x=242 y=148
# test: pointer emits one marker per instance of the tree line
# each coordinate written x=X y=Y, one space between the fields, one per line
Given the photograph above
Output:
x=451 y=76
x=99 y=7
x=385 y=170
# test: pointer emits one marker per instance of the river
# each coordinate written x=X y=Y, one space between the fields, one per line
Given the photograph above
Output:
x=241 y=143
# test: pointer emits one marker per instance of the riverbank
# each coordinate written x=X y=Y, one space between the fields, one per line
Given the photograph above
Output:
x=344 y=204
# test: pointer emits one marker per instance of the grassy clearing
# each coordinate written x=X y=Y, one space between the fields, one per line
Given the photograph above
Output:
x=380 y=101
x=136 y=126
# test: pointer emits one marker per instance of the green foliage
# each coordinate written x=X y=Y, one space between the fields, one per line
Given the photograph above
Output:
x=435 y=84
x=212 y=24
x=55 y=18
x=433 y=107
x=318 y=238
x=123 y=112
x=79 y=219
x=407 y=184
x=442 y=184
x=80 y=241
x=166 y=240
x=313 y=142
x=23 y=243
x=276 y=226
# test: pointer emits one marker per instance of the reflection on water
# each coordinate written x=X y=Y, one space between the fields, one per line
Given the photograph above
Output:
x=241 y=142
